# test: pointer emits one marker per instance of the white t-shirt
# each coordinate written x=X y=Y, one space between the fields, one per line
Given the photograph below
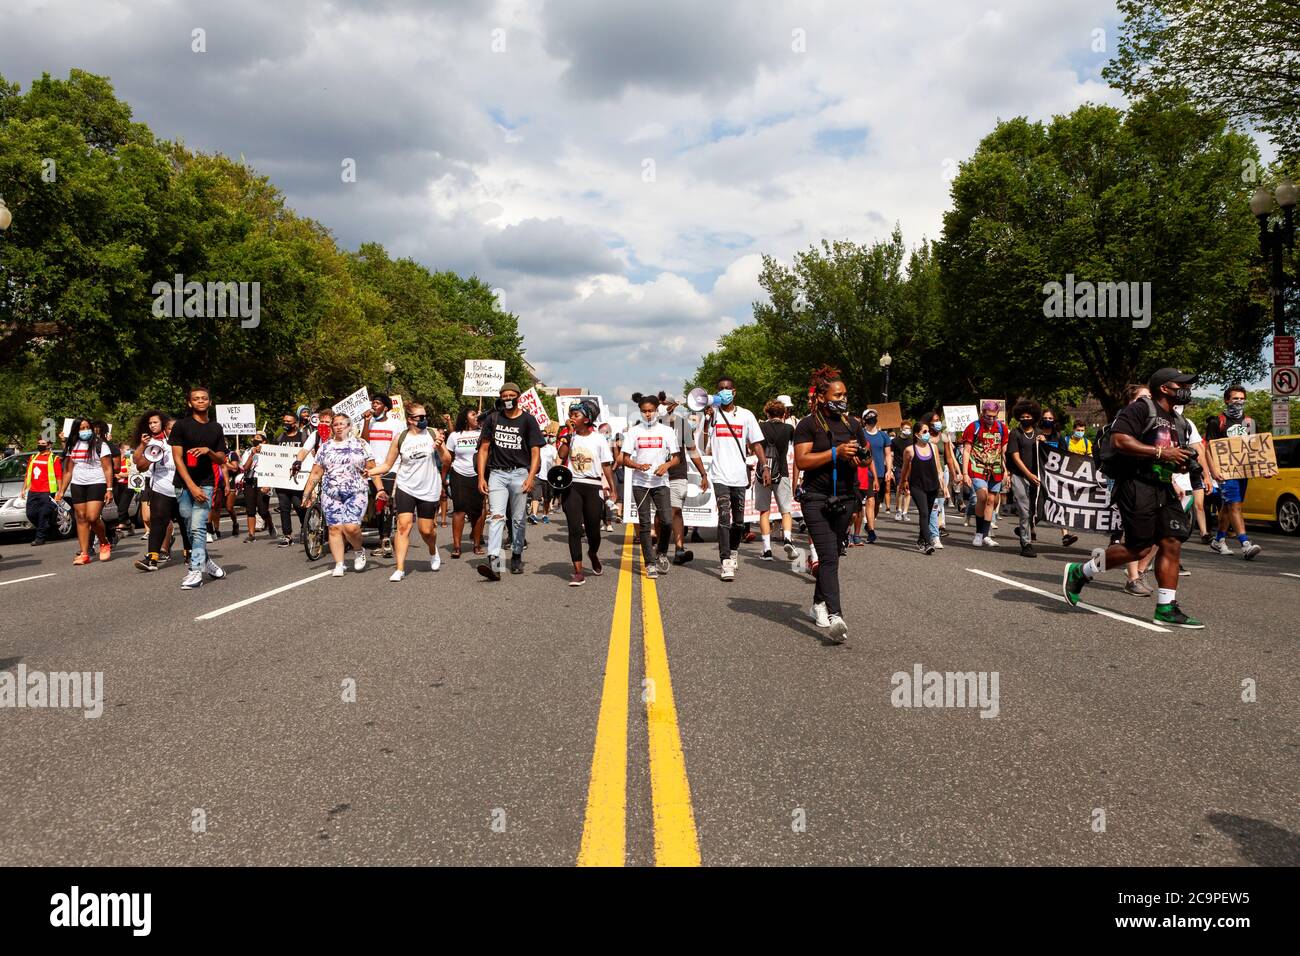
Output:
x=653 y=445
x=162 y=473
x=463 y=446
x=382 y=435
x=586 y=455
x=86 y=467
x=547 y=453
x=418 y=466
x=728 y=464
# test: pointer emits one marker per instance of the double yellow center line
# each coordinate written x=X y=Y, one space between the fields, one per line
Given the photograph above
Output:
x=604 y=832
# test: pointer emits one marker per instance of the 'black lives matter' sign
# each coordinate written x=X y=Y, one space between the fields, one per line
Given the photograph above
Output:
x=1073 y=493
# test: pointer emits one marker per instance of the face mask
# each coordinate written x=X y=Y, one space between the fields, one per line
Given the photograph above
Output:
x=421 y=421
x=550 y=441
x=871 y=421
x=1078 y=433
x=935 y=428
x=727 y=396
x=1182 y=396
x=1235 y=410
x=1048 y=424
x=85 y=434
x=839 y=408
x=922 y=436
x=508 y=404
x=906 y=432
x=1026 y=423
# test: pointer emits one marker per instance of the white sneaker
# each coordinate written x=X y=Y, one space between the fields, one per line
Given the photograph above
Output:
x=989 y=542
x=397 y=575
x=209 y=537
x=839 y=631
x=664 y=564
x=995 y=524
x=359 y=563
x=789 y=549
x=651 y=571
x=938 y=545
x=978 y=540
x=1250 y=549
x=1220 y=546
x=192 y=580
x=818 y=614
x=728 y=572
x=435 y=562
x=338 y=570
x=214 y=569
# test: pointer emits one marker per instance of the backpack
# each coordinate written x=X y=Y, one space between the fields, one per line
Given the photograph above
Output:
x=1111 y=461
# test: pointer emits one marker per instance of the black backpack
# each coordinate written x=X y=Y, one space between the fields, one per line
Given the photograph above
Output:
x=1110 y=461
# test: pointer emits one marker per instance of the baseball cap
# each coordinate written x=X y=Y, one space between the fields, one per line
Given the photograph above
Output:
x=1165 y=375
x=785 y=400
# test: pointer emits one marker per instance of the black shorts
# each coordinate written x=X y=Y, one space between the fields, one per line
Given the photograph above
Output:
x=465 y=495
x=404 y=504
x=1150 y=512
x=80 y=494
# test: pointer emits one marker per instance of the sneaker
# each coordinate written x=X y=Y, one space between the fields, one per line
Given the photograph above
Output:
x=1207 y=538
x=596 y=567
x=214 y=569
x=664 y=564
x=938 y=544
x=1068 y=539
x=871 y=537
x=339 y=569
x=1220 y=546
x=284 y=541
x=1138 y=588
x=386 y=548
x=819 y=616
x=210 y=538
x=359 y=562
x=788 y=545
x=532 y=519
x=989 y=542
x=577 y=580
x=943 y=531
x=488 y=571
x=192 y=580
x=81 y=558
x=105 y=552
x=1183 y=572
x=839 y=631
x=149 y=563
x=164 y=557
x=767 y=555
x=1072 y=582
x=1173 y=615
x=1250 y=549
x=921 y=546
x=681 y=557
x=651 y=572
x=928 y=548
x=516 y=564
x=728 y=572
x=546 y=519
x=435 y=562
x=36 y=543
x=844 y=549
x=995 y=524
x=977 y=540
x=397 y=575
x=1026 y=550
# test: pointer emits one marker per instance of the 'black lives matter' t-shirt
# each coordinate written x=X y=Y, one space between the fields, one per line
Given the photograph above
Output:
x=512 y=440
x=189 y=433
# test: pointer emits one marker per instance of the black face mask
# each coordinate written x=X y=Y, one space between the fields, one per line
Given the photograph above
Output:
x=839 y=408
x=871 y=420
x=1026 y=424
x=290 y=426
x=1048 y=424
x=421 y=421
x=1181 y=396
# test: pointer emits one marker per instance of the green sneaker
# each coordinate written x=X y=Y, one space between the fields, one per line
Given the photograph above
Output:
x=1173 y=615
x=1072 y=582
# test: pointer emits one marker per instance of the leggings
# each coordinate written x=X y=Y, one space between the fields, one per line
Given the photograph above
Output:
x=731 y=504
x=826 y=532
x=924 y=505
x=122 y=495
x=163 y=509
x=582 y=509
x=256 y=503
x=290 y=501
x=643 y=498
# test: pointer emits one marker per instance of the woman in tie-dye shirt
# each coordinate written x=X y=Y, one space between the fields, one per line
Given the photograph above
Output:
x=340 y=471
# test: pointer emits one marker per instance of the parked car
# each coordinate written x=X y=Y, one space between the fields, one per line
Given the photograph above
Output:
x=13 y=504
x=1277 y=499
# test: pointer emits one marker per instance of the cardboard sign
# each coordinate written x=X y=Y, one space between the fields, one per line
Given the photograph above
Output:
x=957 y=417
x=353 y=406
x=888 y=414
x=484 y=377
x=531 y=402
x=237 y=419
x=1073 y=493
x=274 y=463
x=1244 y=456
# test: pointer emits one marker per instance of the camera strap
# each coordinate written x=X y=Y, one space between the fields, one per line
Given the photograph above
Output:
x=834 y=474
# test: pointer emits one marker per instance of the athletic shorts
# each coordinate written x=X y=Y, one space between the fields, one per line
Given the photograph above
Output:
x=992 y=487
x=763 y=496
x=1234 y=490
x=677 y=488
x=465 y=495
x=1150 y=512
x=80 y=494
x=404 y=504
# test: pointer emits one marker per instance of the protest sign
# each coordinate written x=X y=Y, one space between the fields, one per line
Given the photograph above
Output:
x=67 y=427
x=353 y=406
x=957 y=417
x=484 y=377
x=1073 y=493
x=773 y=511
x=399 y=407
x=237 y=419
x=1244 y=456
x=531 y=402
x=888 y=414
x=274 y=463
x=562 y=403
x=699 y=508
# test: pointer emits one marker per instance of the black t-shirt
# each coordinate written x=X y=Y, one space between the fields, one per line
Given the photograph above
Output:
x=512 y=440
x=188 y=433
x=776 y=445
x=900 y=444
x=1025 y=445
x=1245 y=426
x=818 y=480
x=297 y=439
x=1132 y=420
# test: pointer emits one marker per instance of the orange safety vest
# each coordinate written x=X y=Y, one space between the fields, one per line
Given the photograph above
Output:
x=52 y=469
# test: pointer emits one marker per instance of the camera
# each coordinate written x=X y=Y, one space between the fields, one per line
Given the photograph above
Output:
x=835 y=506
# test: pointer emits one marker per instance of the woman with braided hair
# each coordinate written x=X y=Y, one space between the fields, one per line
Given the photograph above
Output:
x=826 y=445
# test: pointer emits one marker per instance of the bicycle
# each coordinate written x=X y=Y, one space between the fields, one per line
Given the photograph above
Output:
x=314 y=532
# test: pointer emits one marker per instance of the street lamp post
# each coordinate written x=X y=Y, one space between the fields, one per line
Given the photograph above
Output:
x=6 y=217
x=389 y=369
x=1272 y=240
x=885 y=362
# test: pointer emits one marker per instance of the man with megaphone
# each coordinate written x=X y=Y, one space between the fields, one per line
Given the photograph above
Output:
x=732 y=434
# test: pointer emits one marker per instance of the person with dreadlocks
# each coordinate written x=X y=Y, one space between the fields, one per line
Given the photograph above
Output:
x=826 y=451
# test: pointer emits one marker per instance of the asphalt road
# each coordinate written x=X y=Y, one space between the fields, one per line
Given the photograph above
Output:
x=694 y=720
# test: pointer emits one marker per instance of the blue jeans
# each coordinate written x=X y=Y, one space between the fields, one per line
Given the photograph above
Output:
x=194 y=516
x=934 y=517
x=506 y=491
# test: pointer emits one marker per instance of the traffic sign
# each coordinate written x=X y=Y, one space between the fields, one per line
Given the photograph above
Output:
x=1283 y=350
x=1286 y=380
x=1281 y=416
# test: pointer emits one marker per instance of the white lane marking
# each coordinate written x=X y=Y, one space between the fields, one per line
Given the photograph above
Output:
x=1087 y=607
x=32 y=578
x=261 y=597
x=1288 y=574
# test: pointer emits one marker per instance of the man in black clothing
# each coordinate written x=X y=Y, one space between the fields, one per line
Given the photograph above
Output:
x=1022 y=452
x=197 y=444
x=294 y=434
x=776 y=449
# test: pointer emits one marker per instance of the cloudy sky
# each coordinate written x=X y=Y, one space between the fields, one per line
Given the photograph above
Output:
x=615 y=168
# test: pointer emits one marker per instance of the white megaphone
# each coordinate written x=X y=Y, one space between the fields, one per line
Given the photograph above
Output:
x=697 y=399
x=154 y=451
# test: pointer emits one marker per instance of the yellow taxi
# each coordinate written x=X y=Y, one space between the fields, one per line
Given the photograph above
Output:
x=1277 y=499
